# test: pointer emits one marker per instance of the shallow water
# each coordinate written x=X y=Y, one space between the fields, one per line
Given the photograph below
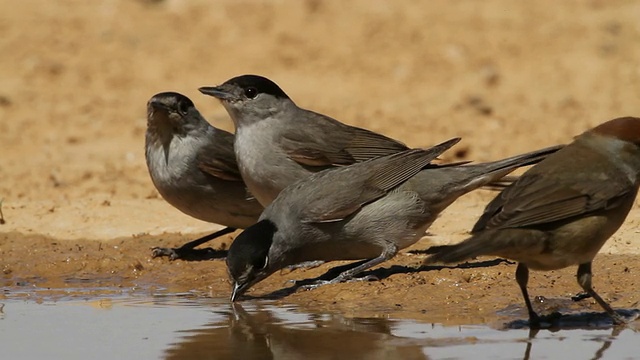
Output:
x=186 y=326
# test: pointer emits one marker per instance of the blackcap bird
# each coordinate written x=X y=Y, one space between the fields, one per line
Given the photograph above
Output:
x=368 y=210
x=278 y=143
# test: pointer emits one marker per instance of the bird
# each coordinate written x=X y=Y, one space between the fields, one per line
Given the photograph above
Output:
x=561 y=211
x=193 y=166
x=368 y=210
x=278 y=143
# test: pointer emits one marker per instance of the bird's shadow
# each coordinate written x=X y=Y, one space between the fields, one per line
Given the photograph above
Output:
x=583 y=320
x=204 y=254
x=379 y=274
x=189 y=254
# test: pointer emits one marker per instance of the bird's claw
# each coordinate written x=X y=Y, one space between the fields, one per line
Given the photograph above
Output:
x=316 y=284
x=365 y=278
x=171 y=253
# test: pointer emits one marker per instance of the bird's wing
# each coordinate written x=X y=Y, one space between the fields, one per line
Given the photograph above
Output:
x=334 y=194
x=538 y=199
x=218 y=158
x=325 y=142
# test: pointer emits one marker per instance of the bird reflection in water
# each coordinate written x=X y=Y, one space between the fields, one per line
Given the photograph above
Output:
x=265 y=333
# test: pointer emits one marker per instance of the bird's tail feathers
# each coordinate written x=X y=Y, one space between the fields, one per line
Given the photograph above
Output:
x=493 y=172
x=509 y=243
x=467 y=249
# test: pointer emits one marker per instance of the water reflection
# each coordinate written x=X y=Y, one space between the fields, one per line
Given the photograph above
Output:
x=263 y=331
x=193 y=327
x=268 y=332
x=625 y=351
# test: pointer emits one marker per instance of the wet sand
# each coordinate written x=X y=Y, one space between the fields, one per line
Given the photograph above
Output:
x=483 y=291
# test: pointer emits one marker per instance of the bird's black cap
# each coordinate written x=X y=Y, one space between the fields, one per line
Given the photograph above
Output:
x=260 y=83
x=251 y=248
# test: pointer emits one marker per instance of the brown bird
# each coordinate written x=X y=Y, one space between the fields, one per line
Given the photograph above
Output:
x=561 y=211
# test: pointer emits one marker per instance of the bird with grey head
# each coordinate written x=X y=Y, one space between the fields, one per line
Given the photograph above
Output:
x=278 y=143
x=561 y=212
x=369 y=210
x=193 y=166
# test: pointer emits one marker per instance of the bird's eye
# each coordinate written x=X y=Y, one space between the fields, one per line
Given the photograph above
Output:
x=183 y=108
x=251 y=92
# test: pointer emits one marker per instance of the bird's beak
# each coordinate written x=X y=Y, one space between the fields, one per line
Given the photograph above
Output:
x=156 y=104
x=238 y=290
x=221 y=92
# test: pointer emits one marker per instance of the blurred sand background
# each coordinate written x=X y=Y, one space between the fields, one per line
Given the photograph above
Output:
x=507 y=77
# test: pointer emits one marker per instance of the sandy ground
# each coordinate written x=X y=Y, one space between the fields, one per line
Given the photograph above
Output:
x=79 y=207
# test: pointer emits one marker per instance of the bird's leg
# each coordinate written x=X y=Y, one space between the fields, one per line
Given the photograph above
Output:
x=522 y=277
x=532 y=335
x=584 y=279
x=390 y=251
x=188 y=251
x=306 y=265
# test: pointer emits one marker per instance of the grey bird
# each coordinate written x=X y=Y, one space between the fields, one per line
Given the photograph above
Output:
x=193 y=166
x=278 y=143
x=369 y=210
x=561 y=211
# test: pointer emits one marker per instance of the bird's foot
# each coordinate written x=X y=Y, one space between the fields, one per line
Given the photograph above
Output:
x=316 y=284
x=171 y=253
